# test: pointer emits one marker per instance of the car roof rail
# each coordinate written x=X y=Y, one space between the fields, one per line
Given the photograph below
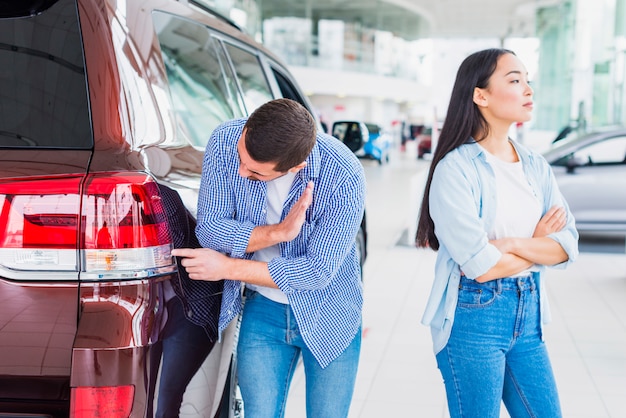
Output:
x=204 y=5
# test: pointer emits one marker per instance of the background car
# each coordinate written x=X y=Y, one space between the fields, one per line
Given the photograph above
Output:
x=366 y=140
x=426 y=138
x=571 y=130
x=591 y=172
x=103 y=103
x=378 y=144
x=424 y=141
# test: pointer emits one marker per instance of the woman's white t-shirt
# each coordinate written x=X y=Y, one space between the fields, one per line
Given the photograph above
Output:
x=518 y=209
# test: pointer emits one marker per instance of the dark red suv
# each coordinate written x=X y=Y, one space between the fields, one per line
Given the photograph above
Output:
x=103 y=102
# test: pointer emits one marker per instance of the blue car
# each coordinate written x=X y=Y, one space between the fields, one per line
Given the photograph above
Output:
x=366 y=140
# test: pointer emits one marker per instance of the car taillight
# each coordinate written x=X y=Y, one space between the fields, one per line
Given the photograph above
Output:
x=124 y=225
x=107 y=401
x=115 y=220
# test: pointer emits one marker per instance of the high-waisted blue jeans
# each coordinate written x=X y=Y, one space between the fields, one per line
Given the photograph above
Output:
x=495 y=353
x=268 y=351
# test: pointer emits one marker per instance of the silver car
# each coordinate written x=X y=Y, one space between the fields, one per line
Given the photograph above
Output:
x=591 y=172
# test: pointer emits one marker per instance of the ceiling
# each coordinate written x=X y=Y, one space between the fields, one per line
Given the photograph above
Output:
x=414 y=19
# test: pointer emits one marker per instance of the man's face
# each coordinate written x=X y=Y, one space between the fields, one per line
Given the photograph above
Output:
x=254 y=170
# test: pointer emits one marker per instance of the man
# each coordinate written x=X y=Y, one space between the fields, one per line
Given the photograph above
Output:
x=293 y=249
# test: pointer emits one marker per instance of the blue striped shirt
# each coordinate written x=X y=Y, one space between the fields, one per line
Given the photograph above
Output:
x=319 y=270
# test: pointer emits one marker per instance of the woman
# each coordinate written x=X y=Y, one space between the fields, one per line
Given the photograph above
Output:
x=493 y=211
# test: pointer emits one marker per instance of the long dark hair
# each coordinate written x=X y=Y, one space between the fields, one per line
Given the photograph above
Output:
x=463 y=122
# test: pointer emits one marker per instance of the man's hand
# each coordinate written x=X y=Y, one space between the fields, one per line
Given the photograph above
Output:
x=203 y=263
x=264 y=236
x=290 y=227
x=553 y=221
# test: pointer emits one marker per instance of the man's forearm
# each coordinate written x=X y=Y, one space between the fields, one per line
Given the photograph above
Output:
x=210 y=265
x=249 y=271
x=264 y=236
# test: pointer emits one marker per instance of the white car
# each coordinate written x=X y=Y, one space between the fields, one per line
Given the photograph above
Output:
x=591 y=173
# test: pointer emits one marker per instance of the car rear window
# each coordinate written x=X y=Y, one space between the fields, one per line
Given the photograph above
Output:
x=43 y=87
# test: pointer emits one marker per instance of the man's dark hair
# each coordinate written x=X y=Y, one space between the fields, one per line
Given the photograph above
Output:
x=281 y=131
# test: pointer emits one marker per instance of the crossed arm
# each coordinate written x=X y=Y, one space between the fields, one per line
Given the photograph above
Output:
x=519 y=254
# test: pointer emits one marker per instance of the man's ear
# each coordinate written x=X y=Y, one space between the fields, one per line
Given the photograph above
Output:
x=298 y=167
x=479 y=97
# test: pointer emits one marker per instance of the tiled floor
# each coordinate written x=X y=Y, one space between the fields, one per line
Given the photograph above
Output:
x=398 y=376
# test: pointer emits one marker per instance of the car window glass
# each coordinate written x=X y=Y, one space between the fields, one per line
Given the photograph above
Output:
x=349 y=133
x=202 y=87
x=287 y=89
x=43 y=86
x=251 y=76
x=339 y=130
x=610 y=151
x=373 y=128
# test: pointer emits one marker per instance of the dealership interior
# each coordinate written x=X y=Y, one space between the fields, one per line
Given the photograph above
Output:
x=393 y=61
x=119 y=145
x=389 y=61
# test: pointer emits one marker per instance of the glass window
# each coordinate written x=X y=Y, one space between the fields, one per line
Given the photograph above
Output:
x=254 y=86
x=287 y=89
x=609 y=151
x=202 y=86
x=43 y=88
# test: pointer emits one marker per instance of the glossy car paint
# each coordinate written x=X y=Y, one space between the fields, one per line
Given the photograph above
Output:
x=59 y=330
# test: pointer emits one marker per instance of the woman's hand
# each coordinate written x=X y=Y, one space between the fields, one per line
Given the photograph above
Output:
x=504 y=245
x=553 y=221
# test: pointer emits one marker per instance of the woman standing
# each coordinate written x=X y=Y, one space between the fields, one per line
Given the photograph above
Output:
x=493 y=211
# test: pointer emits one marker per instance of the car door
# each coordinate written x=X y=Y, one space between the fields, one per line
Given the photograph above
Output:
x=596 y=189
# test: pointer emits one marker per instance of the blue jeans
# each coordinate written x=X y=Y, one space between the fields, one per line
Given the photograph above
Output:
x=269 y=348
x=495 y=353
x=185 y=347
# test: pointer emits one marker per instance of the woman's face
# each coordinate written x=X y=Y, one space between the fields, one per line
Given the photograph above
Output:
x=508 y=96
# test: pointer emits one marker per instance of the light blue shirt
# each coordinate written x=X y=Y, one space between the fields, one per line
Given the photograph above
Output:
x=463 y=208
x=319 y=270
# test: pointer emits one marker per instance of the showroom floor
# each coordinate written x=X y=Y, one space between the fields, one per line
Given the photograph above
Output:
x=398 y=376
